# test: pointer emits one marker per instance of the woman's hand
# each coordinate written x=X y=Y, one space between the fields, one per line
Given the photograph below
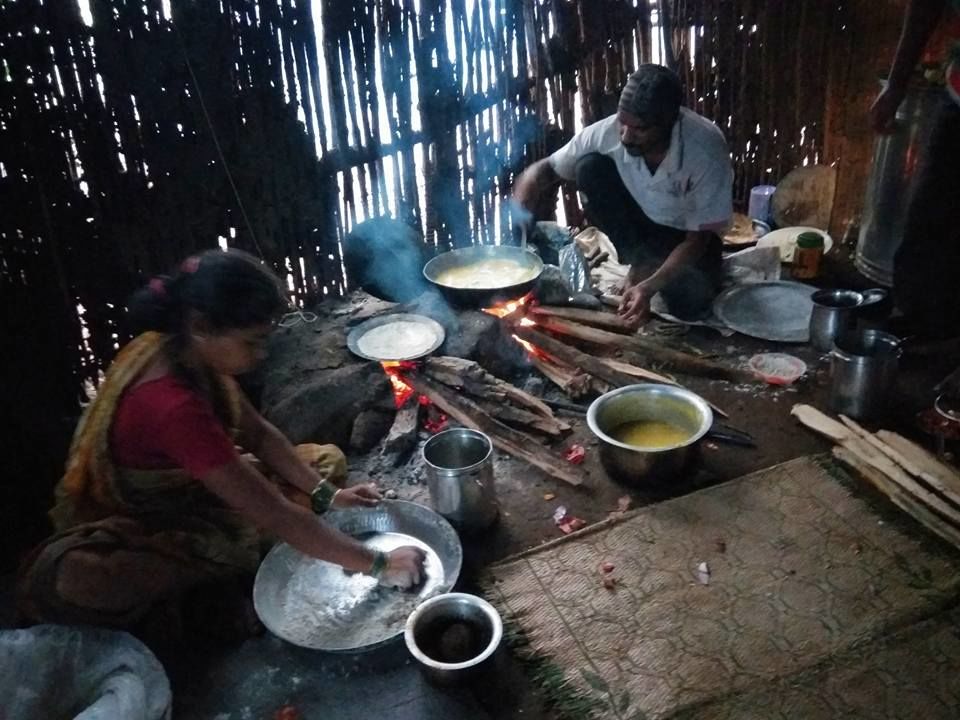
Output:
x=365 y=495
x=404 y=568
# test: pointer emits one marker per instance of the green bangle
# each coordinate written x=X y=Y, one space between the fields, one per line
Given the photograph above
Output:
x=322 y=497
x=379 y=564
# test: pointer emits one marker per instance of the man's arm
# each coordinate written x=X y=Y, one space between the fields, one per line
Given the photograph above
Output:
x=635 y=305
x=919 y=22
x=533 y=183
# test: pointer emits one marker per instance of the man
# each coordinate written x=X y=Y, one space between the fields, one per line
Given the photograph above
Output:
x=927 y=263
x=658 y=181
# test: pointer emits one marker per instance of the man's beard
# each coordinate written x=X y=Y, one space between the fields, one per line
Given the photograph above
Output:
x=634 y=150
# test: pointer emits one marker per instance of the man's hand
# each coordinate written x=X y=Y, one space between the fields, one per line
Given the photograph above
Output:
x=366 y=495
x=883 y=114
x=635 y=304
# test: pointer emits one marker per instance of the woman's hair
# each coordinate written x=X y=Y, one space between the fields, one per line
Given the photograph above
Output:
x=229 y=289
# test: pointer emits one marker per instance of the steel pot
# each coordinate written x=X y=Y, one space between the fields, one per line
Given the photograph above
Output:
x=482 y=297
x=833 y=314
x=666 y=403
x=447 y=660
x=459 y=466
x=863 y=368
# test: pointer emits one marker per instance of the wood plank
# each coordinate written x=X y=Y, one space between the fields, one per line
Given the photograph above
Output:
x=595 y=318
x=510 y=441
x=820 y=423
x=573 y=382
x=900 y=498
x=924 y=459
x=679 y=361
x=573 y=357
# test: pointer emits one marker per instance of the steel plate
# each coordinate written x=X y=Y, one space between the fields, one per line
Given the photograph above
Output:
x=315 y=604
x=778 y=311
x=411 y=337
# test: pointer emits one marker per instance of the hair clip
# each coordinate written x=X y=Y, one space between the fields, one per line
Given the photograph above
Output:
x=190 y=265
x=157 y=286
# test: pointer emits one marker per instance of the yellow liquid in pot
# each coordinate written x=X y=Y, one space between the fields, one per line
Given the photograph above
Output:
x=649 y=434
x=483 y=274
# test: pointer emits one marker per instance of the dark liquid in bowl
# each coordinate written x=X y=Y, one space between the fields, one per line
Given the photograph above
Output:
x=453 y=640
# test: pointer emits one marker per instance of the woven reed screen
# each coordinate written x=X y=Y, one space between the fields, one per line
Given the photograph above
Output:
x=133 y=132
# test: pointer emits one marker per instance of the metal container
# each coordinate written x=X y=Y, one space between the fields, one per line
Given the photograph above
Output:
x=454 y=637
x=483 y=297
x=634 y=465
x=833 y=314
x=863 y=370
x=891 y=183
x=876 y=308
x=460 y=478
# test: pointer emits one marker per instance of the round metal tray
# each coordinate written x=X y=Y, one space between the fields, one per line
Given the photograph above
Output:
x=317 y=605
x=778 y=311
x=405 y=345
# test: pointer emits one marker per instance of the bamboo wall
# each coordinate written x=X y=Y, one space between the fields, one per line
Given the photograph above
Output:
x=133 y=132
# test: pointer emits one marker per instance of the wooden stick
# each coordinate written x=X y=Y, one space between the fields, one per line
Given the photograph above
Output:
x=934 y=482
x=512 y=415
x=505 y=438
x=573 y=382
x=573 y=357
x=468 y=374
x=638 y=372
x=903 y=500
x=597 y=318
x=820 y=423
x=927 y=461
x=681 y=361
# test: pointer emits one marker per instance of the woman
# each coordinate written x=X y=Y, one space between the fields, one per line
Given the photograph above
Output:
x=156 y=500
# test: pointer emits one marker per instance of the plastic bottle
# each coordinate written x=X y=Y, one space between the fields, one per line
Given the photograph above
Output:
x=806 y=258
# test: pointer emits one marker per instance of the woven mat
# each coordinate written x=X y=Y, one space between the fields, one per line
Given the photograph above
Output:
x=815 y=607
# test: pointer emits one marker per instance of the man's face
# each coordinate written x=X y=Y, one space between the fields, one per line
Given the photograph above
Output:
x=639 y=138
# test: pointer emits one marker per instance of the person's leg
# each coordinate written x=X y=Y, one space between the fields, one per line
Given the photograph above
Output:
x=689 y=296
x=928 y=260
x=611 y=208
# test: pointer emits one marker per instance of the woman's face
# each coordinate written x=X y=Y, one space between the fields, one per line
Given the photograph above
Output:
x=234 y=352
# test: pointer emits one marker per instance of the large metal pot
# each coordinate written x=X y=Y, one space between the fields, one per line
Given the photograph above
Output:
x=482 y=297
x=863 y=370
x=460 y=478
x=665 y=403
x=453 y=637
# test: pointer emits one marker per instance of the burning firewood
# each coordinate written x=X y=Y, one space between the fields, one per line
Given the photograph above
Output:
x=681 y=361
x=573 y=382
x=596 y=318
x=513 y=442
x=497 y=398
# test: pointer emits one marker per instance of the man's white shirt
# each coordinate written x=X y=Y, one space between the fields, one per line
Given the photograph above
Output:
x=692 y=188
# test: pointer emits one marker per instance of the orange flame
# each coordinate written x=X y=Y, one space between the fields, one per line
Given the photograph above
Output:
x=532 y=349
x=401 y=388
x=501 y=310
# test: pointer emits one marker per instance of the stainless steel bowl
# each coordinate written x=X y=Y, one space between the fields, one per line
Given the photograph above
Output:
x=674 y=405
x=453 y=637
